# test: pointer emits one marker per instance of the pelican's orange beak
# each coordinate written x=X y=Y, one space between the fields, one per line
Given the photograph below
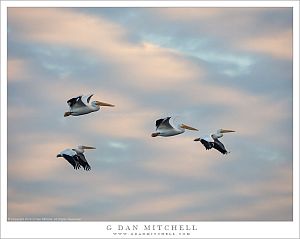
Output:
x=88 y=147
x=187 y=127
x=103 y=104
x=226 y=131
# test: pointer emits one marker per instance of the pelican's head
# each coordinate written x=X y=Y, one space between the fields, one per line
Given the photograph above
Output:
x=98 y=103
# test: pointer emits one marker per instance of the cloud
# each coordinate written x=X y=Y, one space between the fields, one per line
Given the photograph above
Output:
x=234 y=28
x=36 y=159
x=279 y=45
x=124 y=126
x=269 y=199
x=179 y=157
x=189 y=14
x=107 y=40
x=17 y=70
x=159 y=208
x=17 y=112
x=241 y=104
x=118 y=145
x=208 y=198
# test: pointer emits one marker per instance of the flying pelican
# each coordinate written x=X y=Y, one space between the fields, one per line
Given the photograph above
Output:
x=76 y=157
x=211 y=141
x=81 y=105
x=168 y=127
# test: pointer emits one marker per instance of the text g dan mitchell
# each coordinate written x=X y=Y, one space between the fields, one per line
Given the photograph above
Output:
x=151 y=227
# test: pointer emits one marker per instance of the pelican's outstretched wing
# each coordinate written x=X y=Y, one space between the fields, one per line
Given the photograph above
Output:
x=76 y=102
x=207 y=141
x=219 y=146
x=163 y=123
x=72 y=160
x=207 y=144
x=83 y=162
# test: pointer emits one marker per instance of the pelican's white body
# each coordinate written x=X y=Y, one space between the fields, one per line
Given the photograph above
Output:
x=168 y=126
x=69 y=152
x=76 y=157
x=170 y=131
x=83 y=110
x=211 y=141
x=86 y=108
x=211 y=137
x=82 y=105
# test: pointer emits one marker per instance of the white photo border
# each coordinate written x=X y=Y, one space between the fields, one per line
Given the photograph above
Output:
x=102 y=229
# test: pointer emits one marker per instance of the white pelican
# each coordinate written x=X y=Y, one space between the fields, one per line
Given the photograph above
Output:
x=168 y=127
x=211 y=141
x=76 y=157
x=81 y=105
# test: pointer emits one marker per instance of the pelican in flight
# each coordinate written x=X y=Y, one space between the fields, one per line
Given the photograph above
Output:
x=211 y=141
x=76 y=157
x=81 y=105
x=168 y=127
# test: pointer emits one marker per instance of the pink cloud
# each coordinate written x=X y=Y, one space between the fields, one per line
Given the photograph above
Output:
x=279 y=45
x=180 y=156
x=145 y=64
x=17 y=112
x=128 y=125
x=160 y=206
x=37 y=161
x=18 y=70
x=189 y=14
x=40 y=205
x=242 y=105
x=237 y=25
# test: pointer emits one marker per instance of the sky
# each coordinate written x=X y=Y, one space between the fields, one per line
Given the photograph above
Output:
x=212 y=67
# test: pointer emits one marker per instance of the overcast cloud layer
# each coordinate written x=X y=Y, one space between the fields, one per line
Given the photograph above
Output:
x=214 y=67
